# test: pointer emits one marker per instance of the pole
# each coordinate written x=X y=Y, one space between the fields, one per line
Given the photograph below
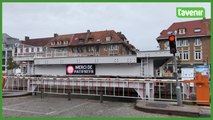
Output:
x=101 y=96
x=6 y=60
x=178 y=89
x=69 y=95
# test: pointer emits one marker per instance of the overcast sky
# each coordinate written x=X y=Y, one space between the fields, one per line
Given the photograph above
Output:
x=141 y=23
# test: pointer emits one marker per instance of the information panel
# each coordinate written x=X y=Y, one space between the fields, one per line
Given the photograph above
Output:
x=80 y=69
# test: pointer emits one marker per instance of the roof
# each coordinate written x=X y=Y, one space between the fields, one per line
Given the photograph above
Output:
x=37 y=42
x=190 y=26
x=86 y=38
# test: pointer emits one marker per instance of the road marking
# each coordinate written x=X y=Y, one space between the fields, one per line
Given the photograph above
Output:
x=19 y=103
x=68 y=109
x=50 y=113
x=15 y=110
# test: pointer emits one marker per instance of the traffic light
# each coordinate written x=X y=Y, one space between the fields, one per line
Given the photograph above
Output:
x=172 y=44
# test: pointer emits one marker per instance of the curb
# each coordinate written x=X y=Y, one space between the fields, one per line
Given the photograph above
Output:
x=16 y=95
x=168 y=112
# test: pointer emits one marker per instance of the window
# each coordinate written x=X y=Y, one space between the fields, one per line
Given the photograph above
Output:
x=59 y=43
x=197 y=30
x=41 y=49
x=197 y=55
x=181 y=55
x=97 y=48
x=21 y=50
x=185 y=43
x=108 y=39
x=197 y=42
x=105 y=48
x=179 y=43
x=185 y=55
x=113 y=50
x=32 y=49
x=3 y=61
x=27 y=49
x=38 y=50
x=9 y=54
x=113 y=47
x=166 y=45
x=80 y=50
x=90 y=48
x=74 y=49
x=182 y=31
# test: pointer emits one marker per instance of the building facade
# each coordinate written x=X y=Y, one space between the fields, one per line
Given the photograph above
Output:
x=193 y=42
x=99 y=43
x=8 y=49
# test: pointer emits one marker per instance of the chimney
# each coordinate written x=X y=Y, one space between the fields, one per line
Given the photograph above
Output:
x=119 y=33
x=27 y=38
x=88 y=31
x=55 y=35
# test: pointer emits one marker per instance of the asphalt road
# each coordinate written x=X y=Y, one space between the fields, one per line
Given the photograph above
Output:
x=58 y=106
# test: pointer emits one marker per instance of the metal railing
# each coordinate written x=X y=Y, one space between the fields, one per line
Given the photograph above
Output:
x=147 y=89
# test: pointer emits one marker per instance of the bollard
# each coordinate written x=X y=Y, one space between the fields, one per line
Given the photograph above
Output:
x=69 y=96
x=101 y=97
x=42 y=94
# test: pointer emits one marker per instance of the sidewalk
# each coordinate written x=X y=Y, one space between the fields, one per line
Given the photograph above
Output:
x=172 y=109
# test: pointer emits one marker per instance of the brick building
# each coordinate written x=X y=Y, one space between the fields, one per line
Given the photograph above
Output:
x=98 y=43
x=193 y=41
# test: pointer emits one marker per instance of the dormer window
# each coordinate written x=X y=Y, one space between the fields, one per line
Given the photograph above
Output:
x=169 y=32
x=81 y=40
x=59 y=43
x=66 y=42
x=53 y=43
x=182 y=31
x=90 y=40
x=197 y=30
x=108 y=38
